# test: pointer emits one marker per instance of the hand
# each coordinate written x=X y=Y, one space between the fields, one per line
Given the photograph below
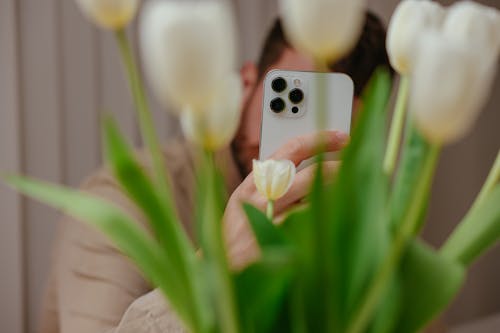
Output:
x=241 y=244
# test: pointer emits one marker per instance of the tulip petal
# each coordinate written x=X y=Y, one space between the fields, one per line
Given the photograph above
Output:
x=187 y=48
x=449 y=88
x=324 y=29
x=273 y=178
x=475 y=26
x=110 y=14
x=409 y=20
x=215 y=125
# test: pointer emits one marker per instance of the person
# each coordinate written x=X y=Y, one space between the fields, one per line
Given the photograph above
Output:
x=94 y=288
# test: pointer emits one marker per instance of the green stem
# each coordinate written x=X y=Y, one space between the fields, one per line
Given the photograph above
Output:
x=322 y=231
x=403 y=234
x=270 y=210
x=476 y=233
x=480 y=228
x=297 y=308
x=216 y=254
x=396 y=126
x=150 y=139
x=492 y=179
x=146 y=123
x=321 y=112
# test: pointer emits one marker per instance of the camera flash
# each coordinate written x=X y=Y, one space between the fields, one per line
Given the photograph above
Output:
x=296 y=82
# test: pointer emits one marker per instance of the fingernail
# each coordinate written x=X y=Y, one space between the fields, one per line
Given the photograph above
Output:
x=342 y=137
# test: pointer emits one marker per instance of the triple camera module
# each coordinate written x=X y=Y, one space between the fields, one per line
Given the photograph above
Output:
x=295 y=96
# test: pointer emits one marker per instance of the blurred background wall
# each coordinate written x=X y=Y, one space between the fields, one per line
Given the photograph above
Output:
x=58 y=74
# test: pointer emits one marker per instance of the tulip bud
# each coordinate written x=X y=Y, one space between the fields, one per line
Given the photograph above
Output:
x=187 y=48
x=448 y=89
x=476 y=26
x=109 y=14
x=409 y=20
x=273 y=178
x=325 y=29
x=215 y=125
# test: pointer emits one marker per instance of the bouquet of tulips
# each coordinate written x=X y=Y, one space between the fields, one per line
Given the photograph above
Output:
x=350 y=259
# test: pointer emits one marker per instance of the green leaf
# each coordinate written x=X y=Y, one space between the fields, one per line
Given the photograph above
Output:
x=265 y=231
x=387 y=313
x=209 y=214
x=409 y=174
x=123 y=232
x=478 y=231
x=297 y=230
x=344 y=233
x=300 y=234
x=161 y=215
x=322 y=310
x=429 y=283
x=261 y=289
x=403 y=230
x=359 y=201
x=162 y=218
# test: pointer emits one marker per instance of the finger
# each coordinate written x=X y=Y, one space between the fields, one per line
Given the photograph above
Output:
x=303 y=147
x=302 y=184
x=243 y=253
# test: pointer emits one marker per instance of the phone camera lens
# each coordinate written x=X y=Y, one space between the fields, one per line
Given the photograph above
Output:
x=277 y=105
x=296 y=96
x=295 y=109
x=279 y=84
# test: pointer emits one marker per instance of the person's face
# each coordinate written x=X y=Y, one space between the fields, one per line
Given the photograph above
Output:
x=246 y=142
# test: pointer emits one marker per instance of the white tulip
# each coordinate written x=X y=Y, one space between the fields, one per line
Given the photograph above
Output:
x=273 y=178
x=187 y=48
x=409 y=20
x=109 y=14
x=324 y=29
x=448 y=89
x=476 y=26
x=214 y=126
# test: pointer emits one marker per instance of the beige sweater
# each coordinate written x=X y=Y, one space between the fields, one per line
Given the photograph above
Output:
x=93 y=288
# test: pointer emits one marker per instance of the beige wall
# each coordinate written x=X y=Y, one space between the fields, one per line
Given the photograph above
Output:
x=57 y=74
x=11 y=231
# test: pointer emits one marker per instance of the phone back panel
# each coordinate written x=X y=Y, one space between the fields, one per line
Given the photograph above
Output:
x=299 y=119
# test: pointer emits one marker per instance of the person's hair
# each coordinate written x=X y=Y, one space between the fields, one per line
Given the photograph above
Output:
x=368 y=54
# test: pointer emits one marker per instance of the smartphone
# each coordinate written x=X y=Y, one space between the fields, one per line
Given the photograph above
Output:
x=290 y=107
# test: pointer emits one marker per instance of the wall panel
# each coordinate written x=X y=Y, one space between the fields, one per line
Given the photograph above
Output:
x=41 y=132
x=12 y=300
x=114 y=97
x=80 y=94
